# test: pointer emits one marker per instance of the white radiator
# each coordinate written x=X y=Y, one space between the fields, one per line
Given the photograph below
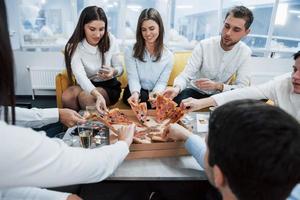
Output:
x=42 y=78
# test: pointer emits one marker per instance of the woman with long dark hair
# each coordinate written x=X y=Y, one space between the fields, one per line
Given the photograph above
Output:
x=92 y=55
x=29 y=158
x=148 y=63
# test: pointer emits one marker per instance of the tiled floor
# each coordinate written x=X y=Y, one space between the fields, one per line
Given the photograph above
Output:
x=39 y=101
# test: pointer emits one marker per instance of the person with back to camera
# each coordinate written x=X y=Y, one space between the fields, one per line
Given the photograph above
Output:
x=149 y=62
x=92 y=54
x=251 y=151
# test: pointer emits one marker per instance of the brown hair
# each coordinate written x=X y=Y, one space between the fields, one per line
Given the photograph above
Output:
x=7 y=87
x=243 y=13
x=87 y=15
x=139 y=46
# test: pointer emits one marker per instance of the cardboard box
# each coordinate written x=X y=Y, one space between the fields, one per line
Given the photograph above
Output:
x=153 y=150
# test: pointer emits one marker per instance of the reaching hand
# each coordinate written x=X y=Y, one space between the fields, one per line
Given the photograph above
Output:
x=126 y=133
x=190 y=104
x=207 y=84
x=70 y=117
x=106 y=72
x=73 y=197
x=134 y=98
x=171 y=92
x=101 y=104
x=176 y=132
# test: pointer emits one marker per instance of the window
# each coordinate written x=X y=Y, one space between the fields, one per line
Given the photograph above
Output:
x=49 y=24
x=286 y=33
x=193 y=20
x=262 y=12
x=45 y=24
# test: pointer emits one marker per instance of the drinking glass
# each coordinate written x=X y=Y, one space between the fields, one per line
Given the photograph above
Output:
x=85 y=133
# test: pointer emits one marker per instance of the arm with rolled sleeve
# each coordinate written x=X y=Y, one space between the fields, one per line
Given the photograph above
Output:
x=31 y=159
x=31 y=193
x=80 y=74
x=132 y=74
x=164 y=77
x=34 y=117
x=264 y=91
x=191 y=69
x=196 y=146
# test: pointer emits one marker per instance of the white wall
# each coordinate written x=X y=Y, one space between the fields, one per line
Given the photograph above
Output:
x=43 y=59
x=264 y=69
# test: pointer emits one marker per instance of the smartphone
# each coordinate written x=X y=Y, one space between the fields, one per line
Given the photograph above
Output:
x=104 y=70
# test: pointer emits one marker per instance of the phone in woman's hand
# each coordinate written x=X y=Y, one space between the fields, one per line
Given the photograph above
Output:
x=104 y=70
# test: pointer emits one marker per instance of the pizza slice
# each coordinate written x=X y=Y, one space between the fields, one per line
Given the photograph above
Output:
x=177 y=115
x=164 y=107
x=140 y=110
x=141 y=137
x=115 y=116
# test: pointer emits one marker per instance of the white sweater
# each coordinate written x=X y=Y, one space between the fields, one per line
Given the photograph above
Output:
x=87 y=61
x=279 y=90
x=210 y=61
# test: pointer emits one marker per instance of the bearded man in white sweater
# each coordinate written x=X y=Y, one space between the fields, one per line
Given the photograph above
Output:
x=215 y=61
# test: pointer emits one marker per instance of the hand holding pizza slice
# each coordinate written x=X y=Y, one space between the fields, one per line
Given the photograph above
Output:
x=140 y=110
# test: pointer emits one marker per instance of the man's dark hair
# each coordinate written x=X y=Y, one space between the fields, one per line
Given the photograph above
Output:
x=256 y=146
x=296 y=55
x=241 y=12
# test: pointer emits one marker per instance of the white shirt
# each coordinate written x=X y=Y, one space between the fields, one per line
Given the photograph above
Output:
x=87 y=61
x=34 y=117
x=149 y=75
x=279 y=90
x=210 y=61
x=31 y=193
x=31 y=159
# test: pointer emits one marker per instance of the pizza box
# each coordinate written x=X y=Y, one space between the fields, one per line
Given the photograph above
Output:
x=153 y=150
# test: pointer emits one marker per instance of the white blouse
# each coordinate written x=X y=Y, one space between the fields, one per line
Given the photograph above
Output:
x=149 y=75
x=87 y=61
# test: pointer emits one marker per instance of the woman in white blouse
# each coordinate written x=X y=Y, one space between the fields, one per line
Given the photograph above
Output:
x=93 y=56
x=148 y=63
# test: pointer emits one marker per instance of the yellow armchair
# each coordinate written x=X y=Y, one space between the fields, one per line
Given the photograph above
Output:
x=180 y=60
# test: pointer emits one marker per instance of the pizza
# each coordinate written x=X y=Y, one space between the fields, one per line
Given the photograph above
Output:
x=148 y=135
x=141 y=137
x=177 y=114
x=140 y=110
x=164 y=108
x=115 y=116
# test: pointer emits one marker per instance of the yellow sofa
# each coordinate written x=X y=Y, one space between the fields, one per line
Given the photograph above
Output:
x=180 y=60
